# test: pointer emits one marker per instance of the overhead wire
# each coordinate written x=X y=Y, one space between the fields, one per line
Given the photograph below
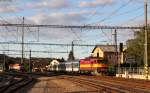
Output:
x=93 y=15
x=7 y=28
x=106 y=35
x=9 y=31
x=114 y=12
x=132 y=19
x=76 y=35
x=130 y=11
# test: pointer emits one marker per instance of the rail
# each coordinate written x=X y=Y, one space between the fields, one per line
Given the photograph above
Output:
x=15 y=84
x=106 y=86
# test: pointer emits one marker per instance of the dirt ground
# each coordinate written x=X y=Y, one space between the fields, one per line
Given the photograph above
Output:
x=55 y=84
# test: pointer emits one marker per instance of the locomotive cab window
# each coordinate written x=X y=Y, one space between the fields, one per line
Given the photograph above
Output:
x=99 y=61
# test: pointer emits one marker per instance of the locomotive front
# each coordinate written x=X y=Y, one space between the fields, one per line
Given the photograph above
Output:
x=93 y=65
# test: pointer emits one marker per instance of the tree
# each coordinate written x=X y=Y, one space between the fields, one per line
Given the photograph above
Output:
x=135 y=47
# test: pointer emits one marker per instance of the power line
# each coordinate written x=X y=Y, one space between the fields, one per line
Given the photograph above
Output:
x=134 y=18
x=130 y=11
x=127 y=12
x=92 y=15
x=114 y=12
x=106 y=35
x=76 y=35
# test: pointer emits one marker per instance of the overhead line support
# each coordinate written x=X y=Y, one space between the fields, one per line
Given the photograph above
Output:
x=22 y=58
x=74 y=26
x=17 y=43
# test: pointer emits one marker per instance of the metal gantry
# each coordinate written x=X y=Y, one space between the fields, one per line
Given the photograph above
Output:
x=74 y=26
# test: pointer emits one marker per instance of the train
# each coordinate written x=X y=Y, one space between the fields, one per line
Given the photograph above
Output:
x=16 y=67
x=87 y=65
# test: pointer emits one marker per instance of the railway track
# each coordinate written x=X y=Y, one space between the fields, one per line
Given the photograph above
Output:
x=15 y=82
x=106 y=86
x=141 y=84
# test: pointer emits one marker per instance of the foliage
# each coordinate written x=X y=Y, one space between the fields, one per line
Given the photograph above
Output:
x=135 y=47
x=26 y=67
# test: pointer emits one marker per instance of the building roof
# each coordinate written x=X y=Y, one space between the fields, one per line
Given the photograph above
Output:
x=54 y=62
x=105 y=48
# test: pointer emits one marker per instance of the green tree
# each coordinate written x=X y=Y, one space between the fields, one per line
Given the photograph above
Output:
x=135 y=47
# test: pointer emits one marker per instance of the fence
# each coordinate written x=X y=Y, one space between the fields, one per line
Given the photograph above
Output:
x=135 y=70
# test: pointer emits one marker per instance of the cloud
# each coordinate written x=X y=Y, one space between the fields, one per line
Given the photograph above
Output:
x=95 y=3
x=10 y=9
x=54 y=4
x=60 y=18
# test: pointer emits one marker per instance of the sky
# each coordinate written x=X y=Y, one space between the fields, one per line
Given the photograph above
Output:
x=68 y=12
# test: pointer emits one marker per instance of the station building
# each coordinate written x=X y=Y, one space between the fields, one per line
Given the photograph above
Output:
x=105 y=52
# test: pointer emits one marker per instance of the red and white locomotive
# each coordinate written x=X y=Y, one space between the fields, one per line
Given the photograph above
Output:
x=93 y=65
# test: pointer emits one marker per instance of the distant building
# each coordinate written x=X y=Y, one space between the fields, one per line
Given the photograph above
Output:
x=53 y=64
x=39 y=64
x=105 y=52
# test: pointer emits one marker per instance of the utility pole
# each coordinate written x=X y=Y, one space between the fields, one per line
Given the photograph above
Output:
x=72 y=51
x=30 y=61
x=22 y=58
x=145 y=45
x=116 y=48
x=4 y=64
x=72 y=56
x=72 y=48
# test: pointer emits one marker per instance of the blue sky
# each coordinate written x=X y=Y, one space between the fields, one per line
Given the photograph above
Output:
x=69 y=12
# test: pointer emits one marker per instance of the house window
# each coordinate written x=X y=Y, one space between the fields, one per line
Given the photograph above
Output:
x=97 y=54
